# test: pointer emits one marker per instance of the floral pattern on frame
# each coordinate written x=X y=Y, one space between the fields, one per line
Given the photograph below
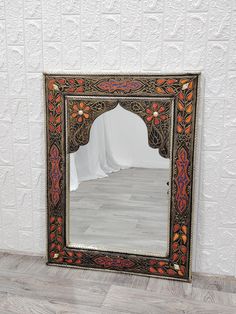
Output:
x=183 y=90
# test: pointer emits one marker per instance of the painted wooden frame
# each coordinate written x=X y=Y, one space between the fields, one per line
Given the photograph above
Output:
x=182 y=89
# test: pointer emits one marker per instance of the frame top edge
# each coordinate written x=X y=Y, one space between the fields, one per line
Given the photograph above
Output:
x=142 y=74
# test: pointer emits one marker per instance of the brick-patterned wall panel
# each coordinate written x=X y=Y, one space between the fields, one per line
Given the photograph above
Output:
x=117 y=35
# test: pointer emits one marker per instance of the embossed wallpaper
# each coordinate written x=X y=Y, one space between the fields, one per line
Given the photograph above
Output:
x=129 y=36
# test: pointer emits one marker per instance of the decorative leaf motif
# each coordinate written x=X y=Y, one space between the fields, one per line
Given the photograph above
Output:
x=176 y=236
x=181 y=96
x=184 y=238
x=161 y=81
x=180 y=273
x=179 y=129
x=184 y=81
x=188 y=119
x=171 y=81
x=190 y=85
x=175 y=257
x=189 y=109
x=170 y=90
x=180 y=106
x=176 y=227
x=160 y=271
x=190 y=96
x=183 y=249
x=188 y=129
x=160 y=90
x=152 y=270
x=171 y=272
x=179 y=118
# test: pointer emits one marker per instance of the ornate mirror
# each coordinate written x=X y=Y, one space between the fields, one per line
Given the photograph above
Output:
x=120 y=151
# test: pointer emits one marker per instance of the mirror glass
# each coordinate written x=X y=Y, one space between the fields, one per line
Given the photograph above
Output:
x=118 y=188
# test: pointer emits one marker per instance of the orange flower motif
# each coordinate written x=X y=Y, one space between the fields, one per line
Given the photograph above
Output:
x=156 y=113
x=80 y=111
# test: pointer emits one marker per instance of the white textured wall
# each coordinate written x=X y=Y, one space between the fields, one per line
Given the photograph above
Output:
x=113 y=35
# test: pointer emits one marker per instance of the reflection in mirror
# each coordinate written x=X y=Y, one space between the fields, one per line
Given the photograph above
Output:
x=119 y=189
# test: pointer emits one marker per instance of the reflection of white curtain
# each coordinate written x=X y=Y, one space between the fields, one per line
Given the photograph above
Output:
x=94 y=160
x=118 y=140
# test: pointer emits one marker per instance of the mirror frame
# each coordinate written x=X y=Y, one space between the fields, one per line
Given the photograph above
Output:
x=183 y=88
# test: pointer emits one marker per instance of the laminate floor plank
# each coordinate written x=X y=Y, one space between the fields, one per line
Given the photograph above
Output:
x=219 y=283
x=14 y=304
x=28 y=286
x=190 y=292
x=39 y=268
x=122 y=298
x=54 y=288
x=13 y=262
x=120 y=279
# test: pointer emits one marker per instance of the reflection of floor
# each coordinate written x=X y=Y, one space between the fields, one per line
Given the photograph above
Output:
x=126 y=211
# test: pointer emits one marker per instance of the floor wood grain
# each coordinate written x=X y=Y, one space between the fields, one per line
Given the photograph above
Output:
x=29 y=286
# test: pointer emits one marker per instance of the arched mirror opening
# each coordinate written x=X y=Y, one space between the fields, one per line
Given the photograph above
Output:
x=118 y=183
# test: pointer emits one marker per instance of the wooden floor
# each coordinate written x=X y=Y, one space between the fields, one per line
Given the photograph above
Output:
x=126 y=211
x=27 y=285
